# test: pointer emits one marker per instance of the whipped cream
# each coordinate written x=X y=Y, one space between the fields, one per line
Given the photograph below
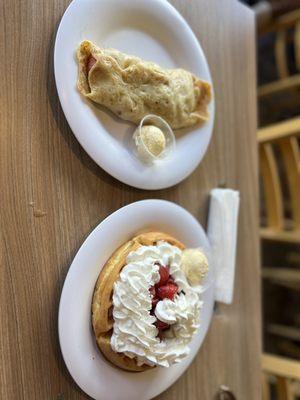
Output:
x=134 y=332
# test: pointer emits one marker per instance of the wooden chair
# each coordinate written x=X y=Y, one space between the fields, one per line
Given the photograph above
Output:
x=285 y=136
x=280 y=158
x=282 y=373
x=282 y=27
x=281 y=140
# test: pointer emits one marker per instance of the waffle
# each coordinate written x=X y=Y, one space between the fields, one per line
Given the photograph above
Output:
x=102 y=319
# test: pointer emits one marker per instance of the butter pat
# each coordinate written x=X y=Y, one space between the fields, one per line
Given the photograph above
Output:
x=154 y=139
x=195 y=266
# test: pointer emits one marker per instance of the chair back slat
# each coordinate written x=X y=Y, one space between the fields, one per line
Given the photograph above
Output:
x=290 y=153
x=280 y=130
x=284 y=391
x=281 y=366
x=280 y=54
x=272 y=188
x=266 y=387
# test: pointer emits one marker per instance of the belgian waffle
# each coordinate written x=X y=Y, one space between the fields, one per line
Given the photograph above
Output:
x=102 y=319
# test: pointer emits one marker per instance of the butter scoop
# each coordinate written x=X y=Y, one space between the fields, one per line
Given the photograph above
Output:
x=153 y=138
x=195 y=266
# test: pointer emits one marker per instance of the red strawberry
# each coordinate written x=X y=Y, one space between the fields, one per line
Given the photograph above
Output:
x=171 y=280
x=90 y=63
x=167 y=291
x=155 y=300
x=164 y=276
x=160 y=325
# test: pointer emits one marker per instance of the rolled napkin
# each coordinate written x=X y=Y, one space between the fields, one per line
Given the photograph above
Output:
x=222 y=234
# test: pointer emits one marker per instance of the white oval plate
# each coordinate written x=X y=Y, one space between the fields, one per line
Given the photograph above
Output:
x=152 y=30
x=97 y=377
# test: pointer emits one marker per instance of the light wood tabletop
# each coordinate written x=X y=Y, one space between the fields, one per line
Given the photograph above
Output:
x=53 y=195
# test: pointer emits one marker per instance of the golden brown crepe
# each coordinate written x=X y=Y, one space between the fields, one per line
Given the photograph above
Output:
x=102 y=319
x=132 y=88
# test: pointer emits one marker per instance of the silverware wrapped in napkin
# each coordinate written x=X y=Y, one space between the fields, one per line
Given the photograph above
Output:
x=222 y=234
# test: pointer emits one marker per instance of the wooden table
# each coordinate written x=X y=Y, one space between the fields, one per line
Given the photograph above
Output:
x=53 y=195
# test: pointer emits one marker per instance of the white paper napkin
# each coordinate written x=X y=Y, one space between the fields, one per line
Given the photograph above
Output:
x=222 y=234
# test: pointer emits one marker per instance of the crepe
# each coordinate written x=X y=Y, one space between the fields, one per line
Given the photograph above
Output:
x=102 y=320
x=132 y=88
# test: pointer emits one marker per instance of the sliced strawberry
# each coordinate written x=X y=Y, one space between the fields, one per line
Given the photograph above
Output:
x=171 y=280
x=155 y=300
x=167 y=291
x=161 y=326
x=164 y=275
x=160 y=335
x=90 y=63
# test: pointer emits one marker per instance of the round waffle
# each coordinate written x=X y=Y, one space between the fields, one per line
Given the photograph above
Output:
x=102 y=319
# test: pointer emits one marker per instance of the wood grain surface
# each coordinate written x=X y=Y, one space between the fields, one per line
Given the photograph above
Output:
x=53 y=195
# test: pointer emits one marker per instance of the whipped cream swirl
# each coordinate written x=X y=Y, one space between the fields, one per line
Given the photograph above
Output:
x=134 y=332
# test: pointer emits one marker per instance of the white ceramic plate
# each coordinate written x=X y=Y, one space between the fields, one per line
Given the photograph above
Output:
x=90 y=370
x=155 y=31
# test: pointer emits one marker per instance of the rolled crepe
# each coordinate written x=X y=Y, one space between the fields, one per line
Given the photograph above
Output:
x=132 y=88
